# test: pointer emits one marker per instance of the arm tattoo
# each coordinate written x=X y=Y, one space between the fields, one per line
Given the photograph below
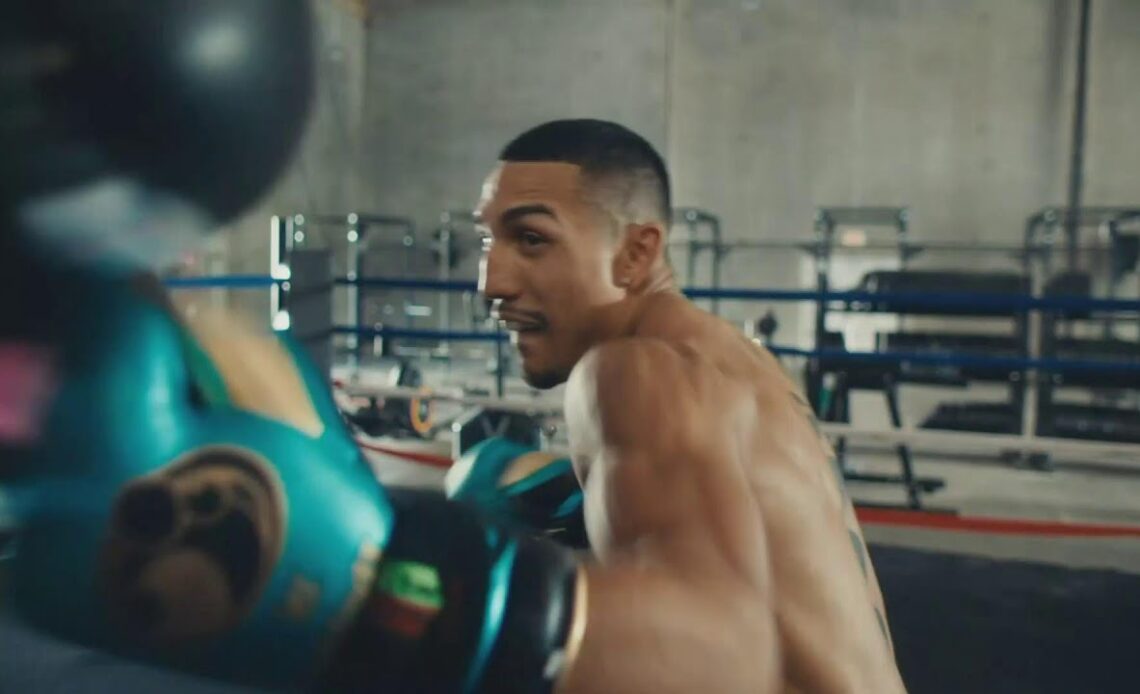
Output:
x=806 y=409
x=883 y=627
x=860 y=553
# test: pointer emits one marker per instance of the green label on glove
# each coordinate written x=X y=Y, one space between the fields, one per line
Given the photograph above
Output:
x=411 y=582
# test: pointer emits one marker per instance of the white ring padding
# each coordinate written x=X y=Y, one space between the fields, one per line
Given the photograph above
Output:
x=536 y=407
x=1124 y=456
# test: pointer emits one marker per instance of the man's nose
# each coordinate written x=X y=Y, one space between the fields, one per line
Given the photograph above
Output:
x=498 y=277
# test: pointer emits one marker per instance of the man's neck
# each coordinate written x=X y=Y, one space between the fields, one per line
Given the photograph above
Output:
x=636 y=306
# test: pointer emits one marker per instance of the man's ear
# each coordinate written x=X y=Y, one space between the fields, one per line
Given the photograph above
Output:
x=642 y=246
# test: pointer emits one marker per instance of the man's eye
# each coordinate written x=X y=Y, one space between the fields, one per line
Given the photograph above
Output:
x=532 y=239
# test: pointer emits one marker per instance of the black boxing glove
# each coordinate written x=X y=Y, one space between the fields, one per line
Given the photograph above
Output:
x=462 y=606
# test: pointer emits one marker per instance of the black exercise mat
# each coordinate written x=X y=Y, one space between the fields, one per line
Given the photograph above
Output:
x=966 y=624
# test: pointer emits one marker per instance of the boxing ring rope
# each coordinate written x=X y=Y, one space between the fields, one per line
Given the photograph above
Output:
x=901 y=358
x=426 y=459
x=975 y=303
x=1099 y=453
x=224 y=282
x=891 y=303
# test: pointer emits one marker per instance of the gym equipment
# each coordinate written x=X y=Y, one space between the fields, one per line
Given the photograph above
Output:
x=445 y=246
x=983 y=284
x=953 y=343
x=830 y=379
x=695 y=221
x=981 y=417
x=1060 y=333
x=449 y=252
x=398 y=417
x=1052 y=226
x=961 y=416
x=834 y=404
x=767 y=326
x=828 y=220
x=985 y=417
x=352 y=241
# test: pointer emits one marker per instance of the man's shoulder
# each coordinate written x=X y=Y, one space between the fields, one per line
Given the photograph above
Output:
x=639 y=359
x=656 y=376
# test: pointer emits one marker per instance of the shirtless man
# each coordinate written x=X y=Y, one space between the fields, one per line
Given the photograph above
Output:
x=728 y=556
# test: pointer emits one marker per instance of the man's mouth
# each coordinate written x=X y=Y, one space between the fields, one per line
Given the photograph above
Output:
x=520 y=327
x=521 y=323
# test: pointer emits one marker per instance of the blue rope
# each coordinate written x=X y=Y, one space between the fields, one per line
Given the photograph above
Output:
x=888 y=358
x=966 y=360
x=977 y=304
x=430 y=285
x=222 y=282
x=409 y=334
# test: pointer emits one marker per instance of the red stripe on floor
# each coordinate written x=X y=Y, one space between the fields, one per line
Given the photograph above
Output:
x=411 y=456
x=1003 y=526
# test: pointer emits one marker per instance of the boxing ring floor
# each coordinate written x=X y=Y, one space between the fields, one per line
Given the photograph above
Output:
x=965 y=623
x=978 y=609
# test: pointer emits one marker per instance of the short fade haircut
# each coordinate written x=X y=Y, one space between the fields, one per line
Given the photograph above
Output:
x=626 y=174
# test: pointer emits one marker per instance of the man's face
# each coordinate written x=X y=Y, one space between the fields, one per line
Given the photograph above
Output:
x=547 y=265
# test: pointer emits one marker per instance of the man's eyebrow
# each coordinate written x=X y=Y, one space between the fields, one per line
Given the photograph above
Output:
x=516 y=213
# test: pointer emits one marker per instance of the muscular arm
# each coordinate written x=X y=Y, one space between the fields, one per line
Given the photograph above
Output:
x=679 y=598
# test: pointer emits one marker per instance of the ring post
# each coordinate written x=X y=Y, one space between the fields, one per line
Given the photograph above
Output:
x=311 y=305
x=354 y=307
x=284 y=234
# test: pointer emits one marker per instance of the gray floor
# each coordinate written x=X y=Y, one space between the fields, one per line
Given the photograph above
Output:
x=989 y=488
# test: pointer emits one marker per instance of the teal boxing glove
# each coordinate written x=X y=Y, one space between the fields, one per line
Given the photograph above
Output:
x=191 y=498
x=165 y=514
x=521 y=486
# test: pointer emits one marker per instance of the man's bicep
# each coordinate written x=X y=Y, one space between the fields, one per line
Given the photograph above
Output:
x=667 y=588
x=635 y=427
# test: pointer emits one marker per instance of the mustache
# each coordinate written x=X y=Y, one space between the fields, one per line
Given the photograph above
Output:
x=510 y=314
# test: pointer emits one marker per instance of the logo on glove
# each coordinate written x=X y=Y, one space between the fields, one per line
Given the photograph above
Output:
x=192 y=546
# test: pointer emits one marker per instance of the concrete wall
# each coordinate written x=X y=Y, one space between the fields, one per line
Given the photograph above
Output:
x=323 y=171
x=1113 y=146
x=764 y=108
